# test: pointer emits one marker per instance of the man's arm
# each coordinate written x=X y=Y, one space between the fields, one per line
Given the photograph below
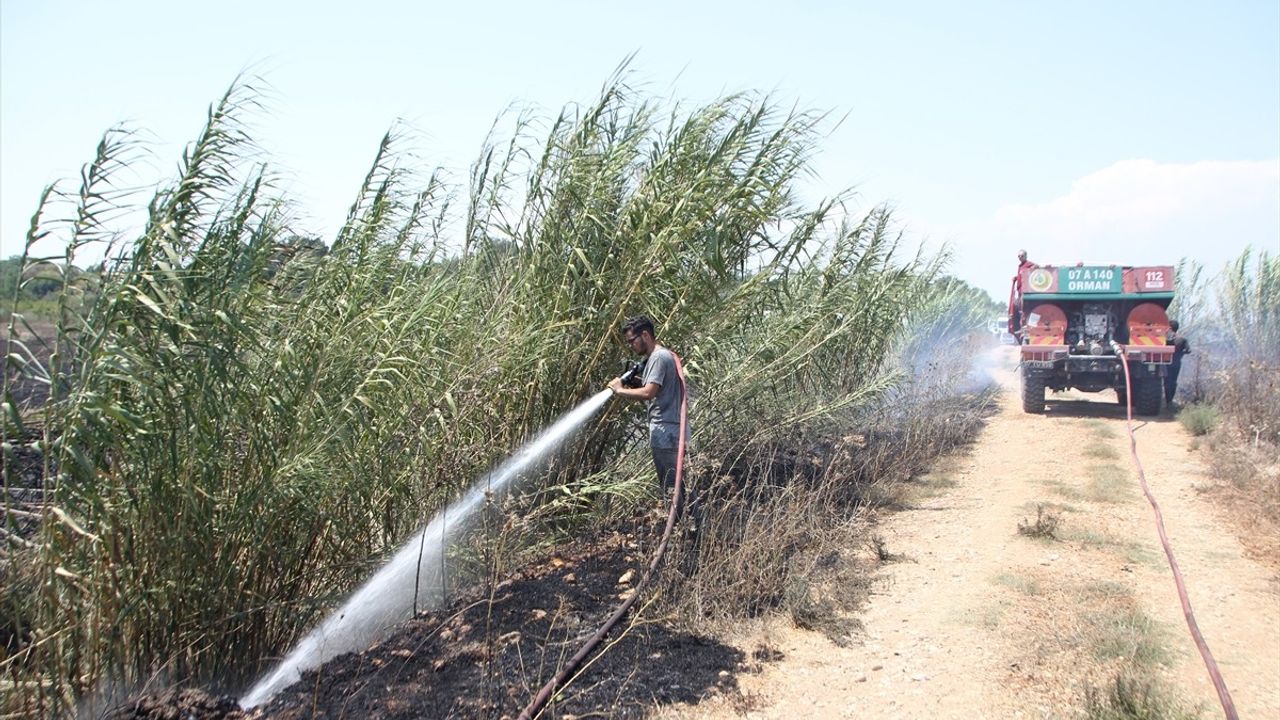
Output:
x=647 y=392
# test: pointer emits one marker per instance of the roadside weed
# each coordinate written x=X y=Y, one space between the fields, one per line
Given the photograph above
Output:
x=1045 y=526
x=1134 y=696
x=1198 y=419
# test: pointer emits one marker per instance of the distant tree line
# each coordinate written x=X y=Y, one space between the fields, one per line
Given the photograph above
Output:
x=35 y=289
x=37 y=285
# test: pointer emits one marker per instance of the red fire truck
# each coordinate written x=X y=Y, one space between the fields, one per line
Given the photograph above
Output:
x=1076 y=324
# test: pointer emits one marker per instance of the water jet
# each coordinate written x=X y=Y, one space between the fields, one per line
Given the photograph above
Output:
x=414 y=578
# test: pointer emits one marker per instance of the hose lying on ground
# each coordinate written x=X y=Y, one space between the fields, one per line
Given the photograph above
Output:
x=1219 y=684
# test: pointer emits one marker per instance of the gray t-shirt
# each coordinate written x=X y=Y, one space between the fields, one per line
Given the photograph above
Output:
x=664 y=409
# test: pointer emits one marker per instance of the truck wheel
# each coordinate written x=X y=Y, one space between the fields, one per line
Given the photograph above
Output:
x=1032 y=393
x=1146 y=396
x=1122 y=396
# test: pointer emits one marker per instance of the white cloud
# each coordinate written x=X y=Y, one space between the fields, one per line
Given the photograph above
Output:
x=1134 y=212
x=1148 y=204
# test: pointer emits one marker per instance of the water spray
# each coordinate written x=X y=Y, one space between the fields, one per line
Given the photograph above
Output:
x=414 y=578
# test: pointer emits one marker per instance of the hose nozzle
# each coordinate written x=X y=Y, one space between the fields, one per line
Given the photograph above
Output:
x=631 y=376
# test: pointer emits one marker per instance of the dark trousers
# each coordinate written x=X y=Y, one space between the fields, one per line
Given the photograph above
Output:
x=664 y=461
x=1171 y=381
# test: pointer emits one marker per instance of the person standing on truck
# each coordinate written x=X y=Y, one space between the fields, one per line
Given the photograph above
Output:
x=1180 y=347
x=1015 y=298
x=1024 y=263
x=662 y=391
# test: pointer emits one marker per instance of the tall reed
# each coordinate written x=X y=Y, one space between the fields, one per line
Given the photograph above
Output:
x=243 y=420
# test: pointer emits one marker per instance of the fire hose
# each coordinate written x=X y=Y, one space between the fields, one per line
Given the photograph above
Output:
x=534 y=708
x=1219 y=684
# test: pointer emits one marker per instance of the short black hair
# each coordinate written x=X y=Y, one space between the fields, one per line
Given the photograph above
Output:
x=638 y=324
x=1173 y=325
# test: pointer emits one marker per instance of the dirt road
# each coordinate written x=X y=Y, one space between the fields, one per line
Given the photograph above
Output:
x=979 y=620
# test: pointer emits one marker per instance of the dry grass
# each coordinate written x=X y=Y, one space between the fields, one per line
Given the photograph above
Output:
x=1132 y=551
x=1134 y=696
x=1101 y=430
x=1066 y=490
x=1111 y=627
x=1101 y=451
x=1237 y=381
x=1122 y=631
x=1108 y=484
x=1055 y=507
x=1097 y=630
x=1021 y=583
x=1248 y=488
x=780 y=546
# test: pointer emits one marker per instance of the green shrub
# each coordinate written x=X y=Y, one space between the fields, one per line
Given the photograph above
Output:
x=1198 y=418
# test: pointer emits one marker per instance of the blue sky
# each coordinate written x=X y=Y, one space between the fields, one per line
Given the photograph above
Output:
x=1128 y=132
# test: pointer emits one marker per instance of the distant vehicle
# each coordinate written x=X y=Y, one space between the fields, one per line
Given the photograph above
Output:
x=1078 y=325
x=999 y=328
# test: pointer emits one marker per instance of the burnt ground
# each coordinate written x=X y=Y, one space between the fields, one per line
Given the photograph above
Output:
x=488 y=654
x=22 y=492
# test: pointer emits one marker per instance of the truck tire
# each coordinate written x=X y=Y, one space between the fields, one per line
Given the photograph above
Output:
x=1146 y=396
x=1122 y=396
x=1032 y=393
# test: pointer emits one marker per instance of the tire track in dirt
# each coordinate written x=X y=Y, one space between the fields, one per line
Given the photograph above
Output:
x=980 y=621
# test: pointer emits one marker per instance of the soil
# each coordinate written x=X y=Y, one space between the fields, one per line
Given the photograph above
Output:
x=487 y=658
x=974 y=619
x=487 y=655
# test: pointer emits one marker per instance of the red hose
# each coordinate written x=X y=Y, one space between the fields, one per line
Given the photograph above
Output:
x=1219 y=684
x=534 y=708
x=1013 y=289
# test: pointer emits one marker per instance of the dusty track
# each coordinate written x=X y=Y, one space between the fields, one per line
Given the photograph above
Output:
x=978 y=620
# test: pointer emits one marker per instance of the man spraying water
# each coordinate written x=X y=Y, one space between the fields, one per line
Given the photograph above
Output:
x=414 y=578
x=661 y=384
x=660 y=387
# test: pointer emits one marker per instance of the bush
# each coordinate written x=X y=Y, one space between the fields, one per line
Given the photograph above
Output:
x=1044 y=526
x=1198 y=418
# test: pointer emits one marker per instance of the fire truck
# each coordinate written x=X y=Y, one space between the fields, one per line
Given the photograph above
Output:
x=1077 y=324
